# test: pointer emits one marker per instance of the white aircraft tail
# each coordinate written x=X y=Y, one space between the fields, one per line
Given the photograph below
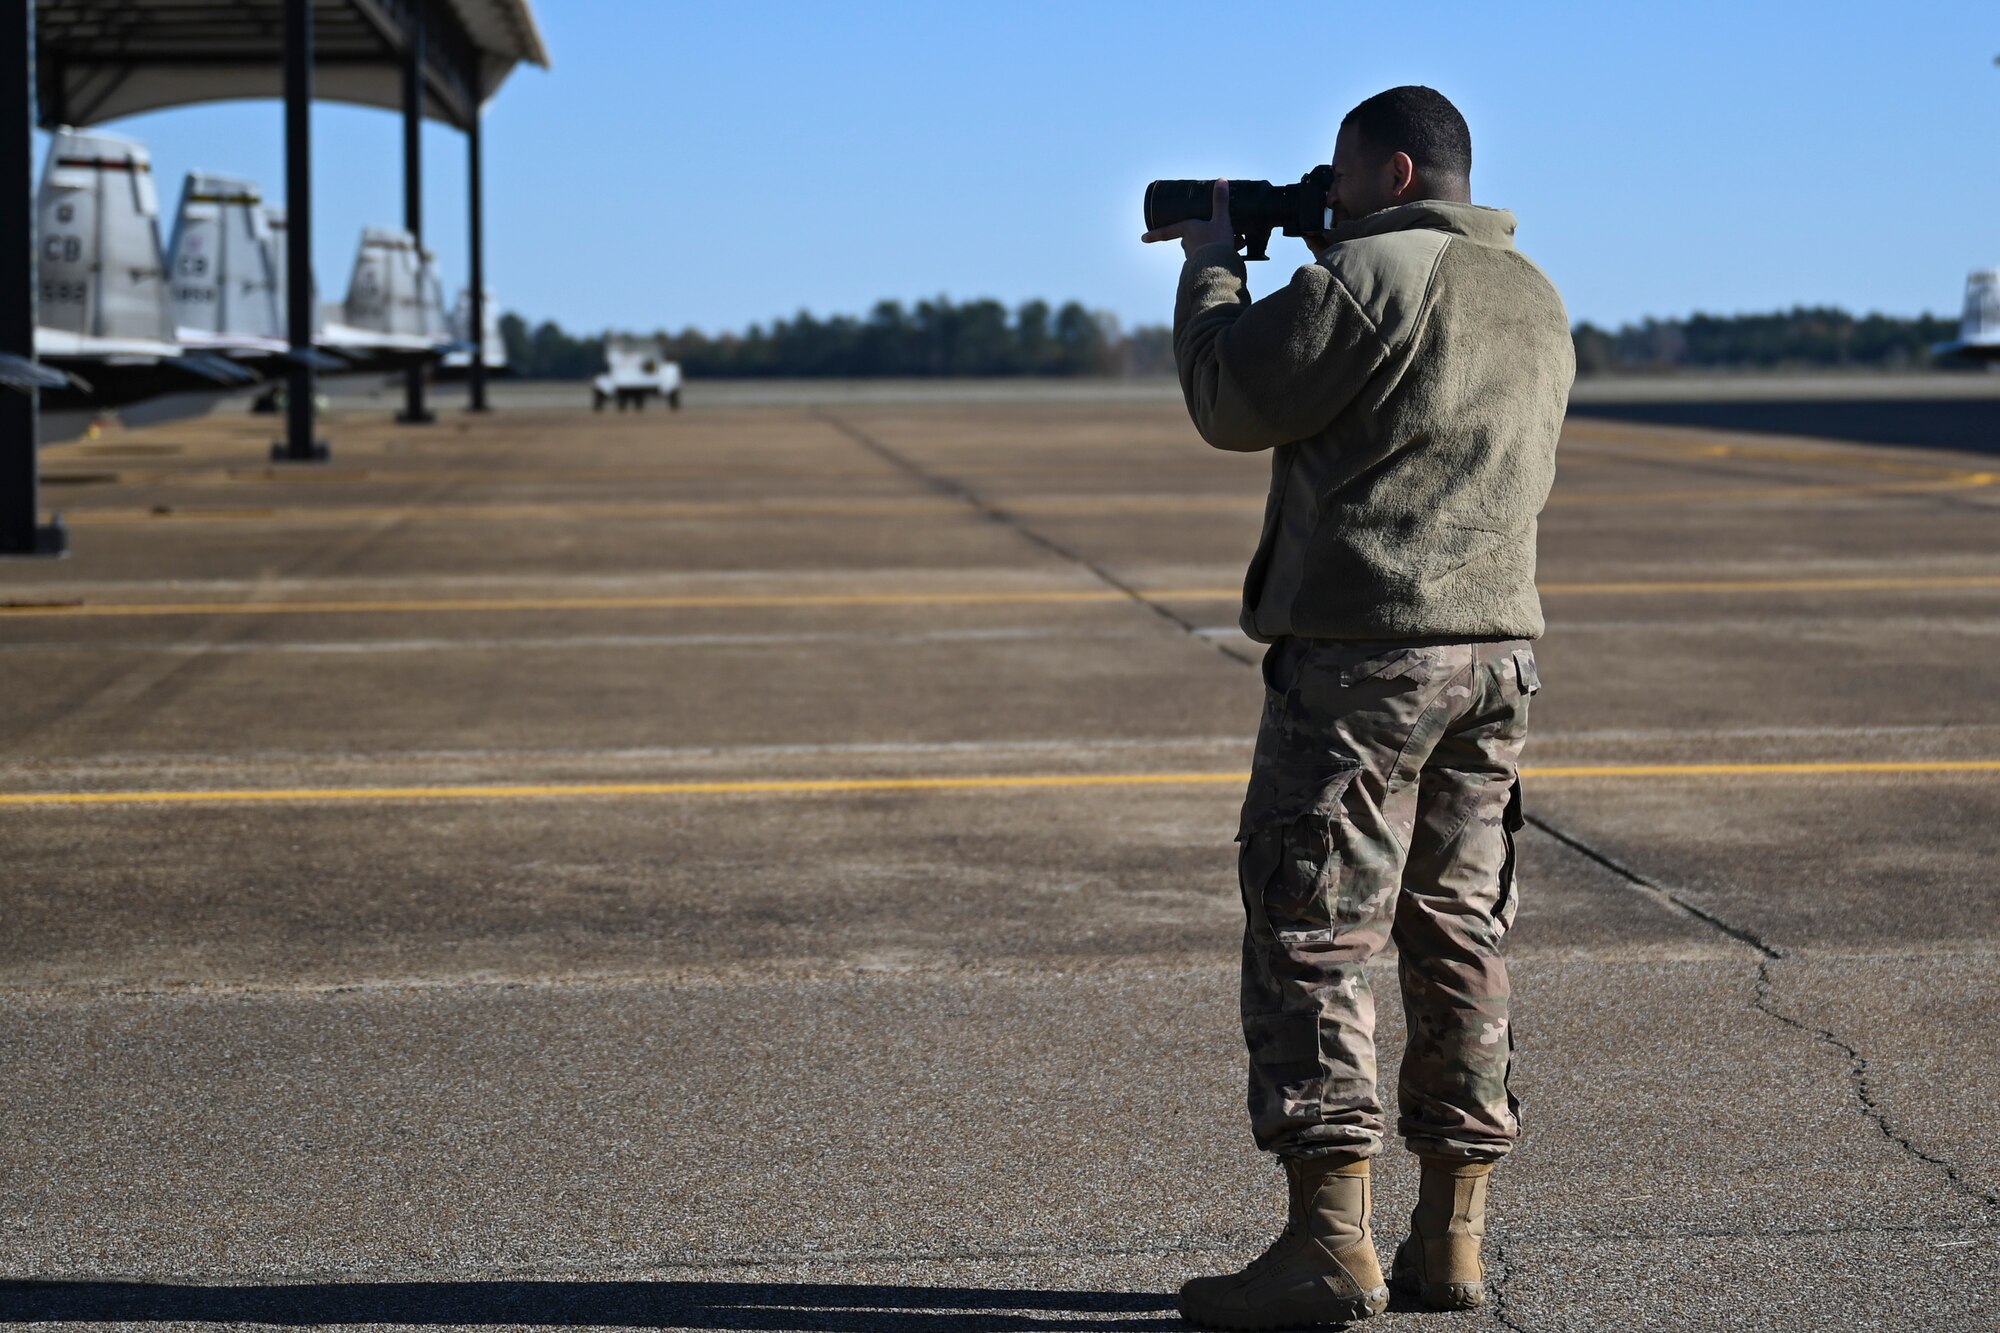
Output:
x=492 y=347
x=221 y=261
x=97 y=214
x=386 y=293
x=436 y=324
x=1979 y=327
x=1980 y=324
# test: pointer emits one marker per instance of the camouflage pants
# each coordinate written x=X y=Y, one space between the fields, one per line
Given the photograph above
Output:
x=1383 y=803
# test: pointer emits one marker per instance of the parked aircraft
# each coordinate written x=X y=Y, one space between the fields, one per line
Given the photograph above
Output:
x=492 y=347
x=222 y=286
x=393 y=316
x=104 y=319
x=1979 y=328
x=21 y=375
x=123 y=328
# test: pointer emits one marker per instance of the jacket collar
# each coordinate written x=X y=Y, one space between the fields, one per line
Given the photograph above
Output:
x=1481 y=226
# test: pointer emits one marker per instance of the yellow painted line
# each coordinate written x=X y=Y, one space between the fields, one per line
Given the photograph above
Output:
x=1725 y=495
x=431 y=605
x=678 y=510
x=1913 y=583
x=1801 y=769
x=983 y=782
x=1612 y=445
x=692 y=511
x=802 y=786
x=110 y=516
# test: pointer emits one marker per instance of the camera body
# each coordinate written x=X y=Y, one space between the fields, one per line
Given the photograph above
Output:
x=1257 y=208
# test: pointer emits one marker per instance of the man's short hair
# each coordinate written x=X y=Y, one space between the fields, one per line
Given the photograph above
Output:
x=1419 y=121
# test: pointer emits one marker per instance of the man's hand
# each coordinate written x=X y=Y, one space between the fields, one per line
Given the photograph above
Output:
x=1195 y=233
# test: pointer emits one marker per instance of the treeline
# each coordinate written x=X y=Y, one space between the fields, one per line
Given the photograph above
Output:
x=931 y=338
x=984 y=338
x=1805 y=337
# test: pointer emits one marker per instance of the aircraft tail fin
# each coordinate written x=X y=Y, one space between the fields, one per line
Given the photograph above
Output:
x=98 y=230
x=385 y=293
x=1979 y=325
x=492 y=347
x=434 y=323
x=221 y=260
x=1980 y=322
x=274 y=244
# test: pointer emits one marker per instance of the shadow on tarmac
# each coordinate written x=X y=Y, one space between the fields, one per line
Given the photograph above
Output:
x=692 y=1305
x=1971 y=424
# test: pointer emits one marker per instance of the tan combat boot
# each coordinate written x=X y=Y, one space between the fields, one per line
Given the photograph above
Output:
x=1439 y=1263
x=1321 y=1270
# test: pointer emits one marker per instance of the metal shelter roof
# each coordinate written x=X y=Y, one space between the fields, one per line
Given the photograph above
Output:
x=100 y=59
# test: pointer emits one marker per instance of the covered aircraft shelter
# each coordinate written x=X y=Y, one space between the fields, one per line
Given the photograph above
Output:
x=82 y=62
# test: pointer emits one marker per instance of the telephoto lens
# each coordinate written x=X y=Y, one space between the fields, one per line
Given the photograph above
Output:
x=1168 y=202
x=1256 y=208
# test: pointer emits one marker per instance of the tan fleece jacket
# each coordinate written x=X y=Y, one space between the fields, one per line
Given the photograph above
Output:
x=1411 y=385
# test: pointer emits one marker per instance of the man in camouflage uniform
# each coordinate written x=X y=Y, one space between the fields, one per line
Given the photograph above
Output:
x=1411 y=385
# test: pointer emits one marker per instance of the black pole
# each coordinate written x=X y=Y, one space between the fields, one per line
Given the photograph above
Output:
x=21 y=530
x=475 y=377
x=299 y=446
x=414 y=412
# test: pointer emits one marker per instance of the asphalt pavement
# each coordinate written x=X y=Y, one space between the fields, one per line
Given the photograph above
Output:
x=768 y=867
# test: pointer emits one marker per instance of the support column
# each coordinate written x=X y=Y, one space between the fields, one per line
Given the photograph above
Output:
x=475 y=193
x=298 y=446
x=414 y=412
x=21 y=530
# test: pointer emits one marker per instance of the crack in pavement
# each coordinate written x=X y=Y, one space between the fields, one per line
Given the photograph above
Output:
x=1864 y=1092
x=959 y=491
x=1497 y=1286
x=1763 y=1001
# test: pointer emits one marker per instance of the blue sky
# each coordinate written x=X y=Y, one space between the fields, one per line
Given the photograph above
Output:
x=722 y=163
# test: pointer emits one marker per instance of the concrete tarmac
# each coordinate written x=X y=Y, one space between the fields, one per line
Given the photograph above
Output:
x=769 y=867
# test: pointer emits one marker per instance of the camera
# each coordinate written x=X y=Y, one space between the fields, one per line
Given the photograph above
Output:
x=1258 y=208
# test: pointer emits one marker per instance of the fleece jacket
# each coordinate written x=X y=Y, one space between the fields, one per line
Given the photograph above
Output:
x=1411 y=386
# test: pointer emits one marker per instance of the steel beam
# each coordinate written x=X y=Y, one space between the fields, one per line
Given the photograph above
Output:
x=21 y=530
x=475 y=375
x=451 y=63
x=414 y=412
x=299 y=446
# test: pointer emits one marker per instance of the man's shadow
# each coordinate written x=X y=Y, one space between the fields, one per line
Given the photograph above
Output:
x=691 y=1305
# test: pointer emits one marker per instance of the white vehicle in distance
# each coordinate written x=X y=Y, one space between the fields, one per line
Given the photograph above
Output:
x=636 y=369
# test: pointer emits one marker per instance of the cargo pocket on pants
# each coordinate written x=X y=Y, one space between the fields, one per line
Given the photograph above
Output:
x=1511 y=821
x=1291 y=859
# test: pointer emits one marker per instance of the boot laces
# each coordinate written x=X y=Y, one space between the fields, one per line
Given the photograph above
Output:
x=1270 y=1254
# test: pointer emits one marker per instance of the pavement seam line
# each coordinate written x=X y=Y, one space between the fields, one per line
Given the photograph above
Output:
x=958 y=490
x=1655 y=890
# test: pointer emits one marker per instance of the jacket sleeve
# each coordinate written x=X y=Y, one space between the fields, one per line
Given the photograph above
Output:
x=1260 y=374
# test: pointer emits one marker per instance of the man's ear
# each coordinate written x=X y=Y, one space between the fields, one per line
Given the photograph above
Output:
x=1402 y=173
